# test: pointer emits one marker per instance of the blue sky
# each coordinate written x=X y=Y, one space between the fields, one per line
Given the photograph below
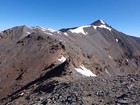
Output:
x=124 y=15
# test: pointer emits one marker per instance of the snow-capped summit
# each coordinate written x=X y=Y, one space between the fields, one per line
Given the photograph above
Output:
x=101 y=24
x=98 y=23
x=81 y=30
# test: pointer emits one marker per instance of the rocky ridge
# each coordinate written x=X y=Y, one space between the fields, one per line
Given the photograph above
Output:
x=40 y=60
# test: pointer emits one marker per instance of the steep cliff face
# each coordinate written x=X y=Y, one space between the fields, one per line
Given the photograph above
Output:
x=30 y=55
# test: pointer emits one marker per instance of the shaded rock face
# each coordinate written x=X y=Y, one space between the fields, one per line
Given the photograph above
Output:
x=30 y=56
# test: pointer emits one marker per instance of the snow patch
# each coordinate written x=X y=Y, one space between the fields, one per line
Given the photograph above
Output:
x=65 y=33
x=102 y=21
x=33 y=27
x=109 y=56
x=94 y=27
x=127 y=60
x=40 y=28
x=117 y=40
x=51 y=30
x=21 y=94
x=62 y=59
x=43 y=29
x=102 y=26
x=84 y=71
x=108 y=73
x=59 y=32
x=61 y=40
x=86 y=33
x=79 y=30
x=48 y=33
x=28 y=32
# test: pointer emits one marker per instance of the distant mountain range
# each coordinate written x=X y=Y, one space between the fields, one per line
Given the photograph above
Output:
x=30 y=56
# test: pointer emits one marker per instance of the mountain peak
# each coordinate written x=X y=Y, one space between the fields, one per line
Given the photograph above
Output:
x=98 y=22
